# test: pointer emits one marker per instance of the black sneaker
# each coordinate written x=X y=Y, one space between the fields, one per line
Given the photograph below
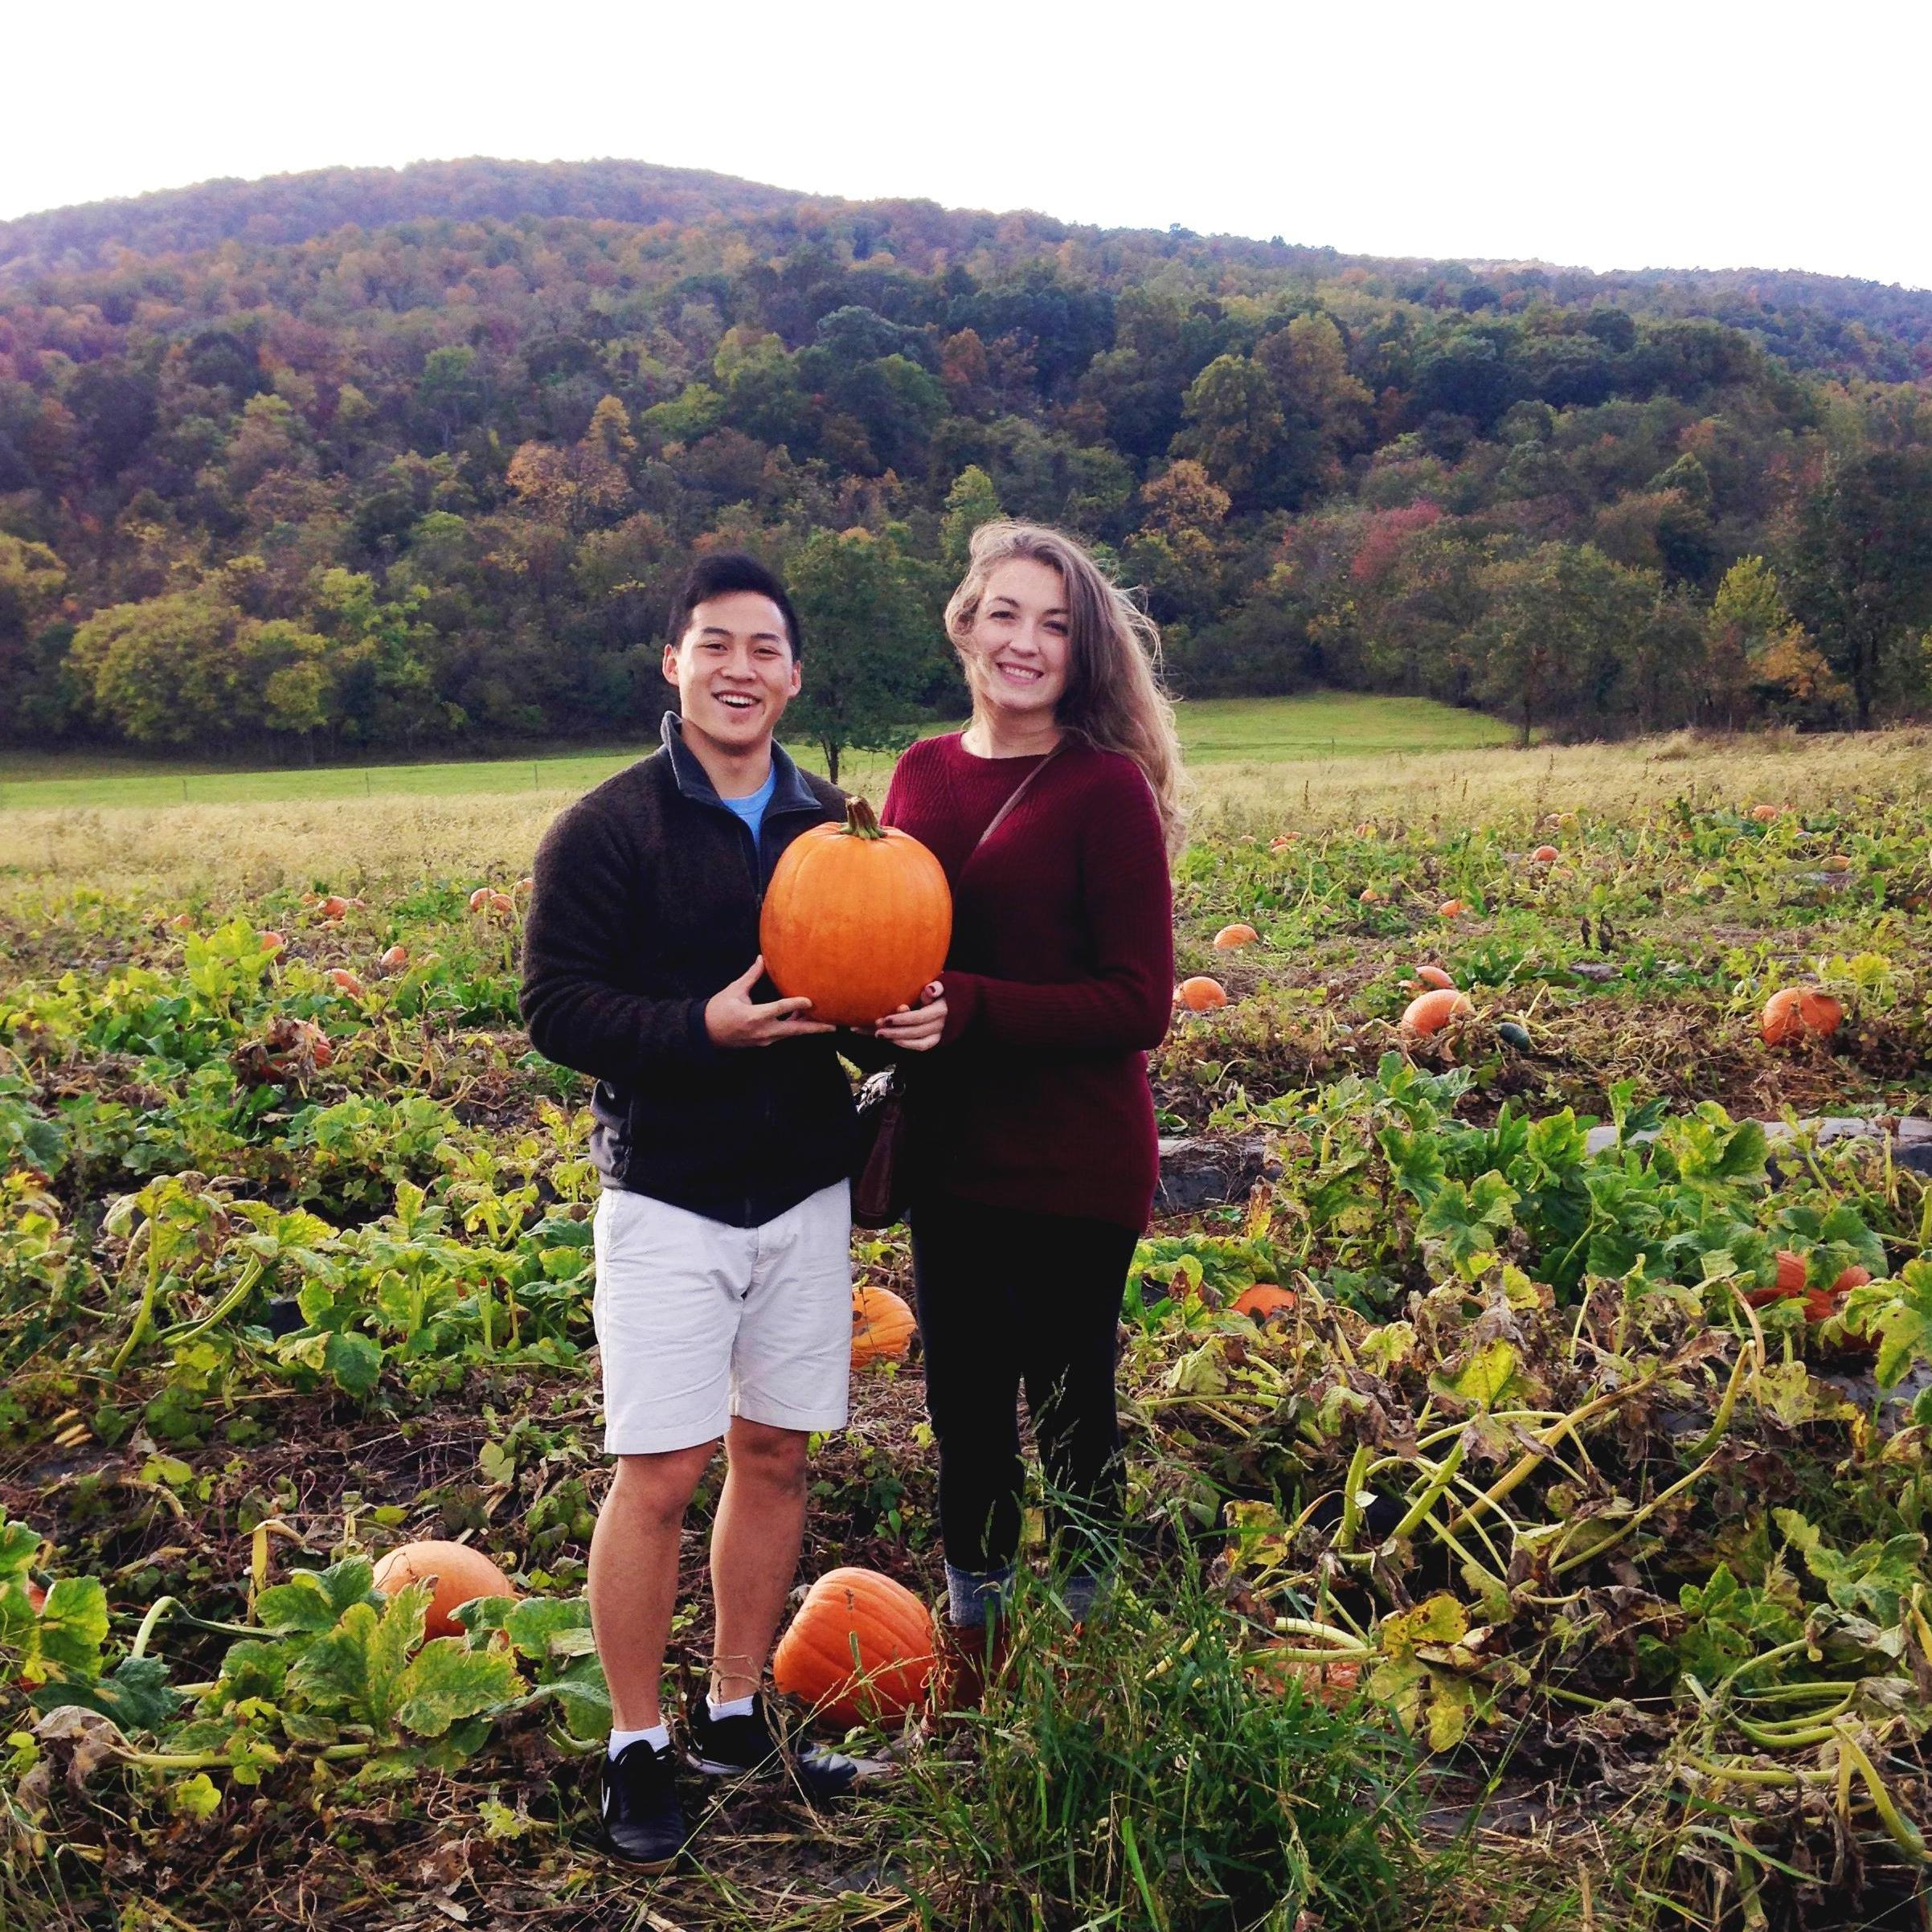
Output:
x=754 y=1746
x=642 y=1821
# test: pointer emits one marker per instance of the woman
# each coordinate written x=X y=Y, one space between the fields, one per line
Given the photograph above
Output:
x=1032 y=1135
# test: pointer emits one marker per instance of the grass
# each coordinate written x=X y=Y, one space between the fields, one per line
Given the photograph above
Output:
x=1328 y=725
x=1324 y=725
x=1137 y=1774
x=356 y=841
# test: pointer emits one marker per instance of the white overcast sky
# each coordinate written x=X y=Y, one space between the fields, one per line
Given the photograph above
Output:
x=1691 y=134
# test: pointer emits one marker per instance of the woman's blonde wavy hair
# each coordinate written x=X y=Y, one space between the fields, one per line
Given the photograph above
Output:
x=1113 y=698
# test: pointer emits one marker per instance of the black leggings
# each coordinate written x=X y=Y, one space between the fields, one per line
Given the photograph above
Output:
x=1007 y=1298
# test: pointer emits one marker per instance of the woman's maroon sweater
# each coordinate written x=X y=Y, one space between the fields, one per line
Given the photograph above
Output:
x=1059 y=980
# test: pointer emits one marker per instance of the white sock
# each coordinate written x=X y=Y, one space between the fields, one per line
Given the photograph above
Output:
x=735 y=1707
x=657 y=1737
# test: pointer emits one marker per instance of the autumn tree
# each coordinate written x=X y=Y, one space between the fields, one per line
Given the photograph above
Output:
x=1560 y=625
x=970 y=501
x=1862 y=573
x=165 y=671
x=1754 y=650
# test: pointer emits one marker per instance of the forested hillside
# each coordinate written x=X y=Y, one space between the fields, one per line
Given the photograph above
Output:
x=412 y=459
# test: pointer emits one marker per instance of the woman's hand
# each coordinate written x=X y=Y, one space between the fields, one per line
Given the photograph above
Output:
x=916 y=1028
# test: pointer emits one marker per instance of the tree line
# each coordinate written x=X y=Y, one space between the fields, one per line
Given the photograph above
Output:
x=278 y=480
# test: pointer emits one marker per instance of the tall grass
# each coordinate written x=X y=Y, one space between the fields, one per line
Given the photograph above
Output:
x=355 y=843
x=1136 y=1775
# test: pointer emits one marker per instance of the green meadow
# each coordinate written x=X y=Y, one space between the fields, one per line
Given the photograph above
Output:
x=1329 y=724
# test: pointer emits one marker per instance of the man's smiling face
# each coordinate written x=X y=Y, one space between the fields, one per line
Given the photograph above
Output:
x=733 y=669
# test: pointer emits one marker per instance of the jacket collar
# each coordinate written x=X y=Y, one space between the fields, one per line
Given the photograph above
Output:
x=790 y=793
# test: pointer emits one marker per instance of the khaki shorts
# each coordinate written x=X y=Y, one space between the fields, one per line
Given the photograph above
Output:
x=698 y=1321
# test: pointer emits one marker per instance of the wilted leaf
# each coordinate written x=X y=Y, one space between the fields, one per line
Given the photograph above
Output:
x=447 y=1681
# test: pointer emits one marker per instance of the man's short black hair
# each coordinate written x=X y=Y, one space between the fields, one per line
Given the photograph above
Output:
x=722 y=573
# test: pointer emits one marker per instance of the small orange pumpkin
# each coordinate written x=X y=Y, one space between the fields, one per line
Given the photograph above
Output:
x=1334 y=1681
x=856 y=918
x=1231 y=936
x=479 y=900
x=1796 y=1011
x=1370 y=896
x=1429 y=1013
x=1764 y=814
x=1450 y=909
x=1545 y=855
x=1837 y=862
x=852 y=1610
x=1264 y=1301
x=883 y=1326
x=458 y=1572
x=342 y=978
x=271 y=942
x=395 y=958
x=1283 y=843
x=1200 y=994
x=1435 y=976
x=1791 y=1281
x=335 y=906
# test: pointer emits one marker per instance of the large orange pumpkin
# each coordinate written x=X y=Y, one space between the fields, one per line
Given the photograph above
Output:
x=882 y=1326
x=460 y=1573
x=856 y=918
x=1431 y=1011
x=861 y=1647
x=1796 y=1011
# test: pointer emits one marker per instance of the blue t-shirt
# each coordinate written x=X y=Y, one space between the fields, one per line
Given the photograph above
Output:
x=752 y=809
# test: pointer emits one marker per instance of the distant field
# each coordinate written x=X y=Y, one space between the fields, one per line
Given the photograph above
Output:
x=1220 y=730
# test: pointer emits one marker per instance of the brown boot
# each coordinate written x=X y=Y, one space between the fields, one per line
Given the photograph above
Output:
x=966 y=1656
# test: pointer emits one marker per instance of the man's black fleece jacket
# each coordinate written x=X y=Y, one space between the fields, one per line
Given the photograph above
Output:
x=646 y=903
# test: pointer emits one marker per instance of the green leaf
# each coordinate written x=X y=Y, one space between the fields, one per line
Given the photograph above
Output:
x=195 y=1797
x=1416 y=1161
x=582 y=1696
x=355 y=1360
x=1464 y=1221
x=18 y=1545
x=1487 y=1375
x=66 y=1636
x=447 y=1681
x=315 y=1599
x=138 y=1695
x=551 y=1627
x=359 y=1666
x=1900 y=1314
x=1439 y=1620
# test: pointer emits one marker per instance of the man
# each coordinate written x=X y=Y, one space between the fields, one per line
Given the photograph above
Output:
x=723 y=1138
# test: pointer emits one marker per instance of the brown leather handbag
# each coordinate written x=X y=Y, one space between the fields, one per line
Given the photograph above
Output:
x=881 y=1175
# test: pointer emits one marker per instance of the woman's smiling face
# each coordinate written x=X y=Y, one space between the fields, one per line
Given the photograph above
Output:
x=1019 y=639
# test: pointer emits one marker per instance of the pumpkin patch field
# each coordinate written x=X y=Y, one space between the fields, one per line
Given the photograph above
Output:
x=1529 y=1489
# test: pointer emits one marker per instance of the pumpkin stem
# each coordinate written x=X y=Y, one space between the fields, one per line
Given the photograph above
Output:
x=861 y=821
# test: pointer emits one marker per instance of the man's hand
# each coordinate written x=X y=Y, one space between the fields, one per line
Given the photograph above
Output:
x=917 y=1029
x=733 y=1018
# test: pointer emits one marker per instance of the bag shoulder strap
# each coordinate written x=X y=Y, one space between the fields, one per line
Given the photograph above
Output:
x=1018 y=793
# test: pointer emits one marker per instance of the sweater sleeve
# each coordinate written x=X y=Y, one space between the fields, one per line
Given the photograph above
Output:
x=1124 y=1005
x=573 y=998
